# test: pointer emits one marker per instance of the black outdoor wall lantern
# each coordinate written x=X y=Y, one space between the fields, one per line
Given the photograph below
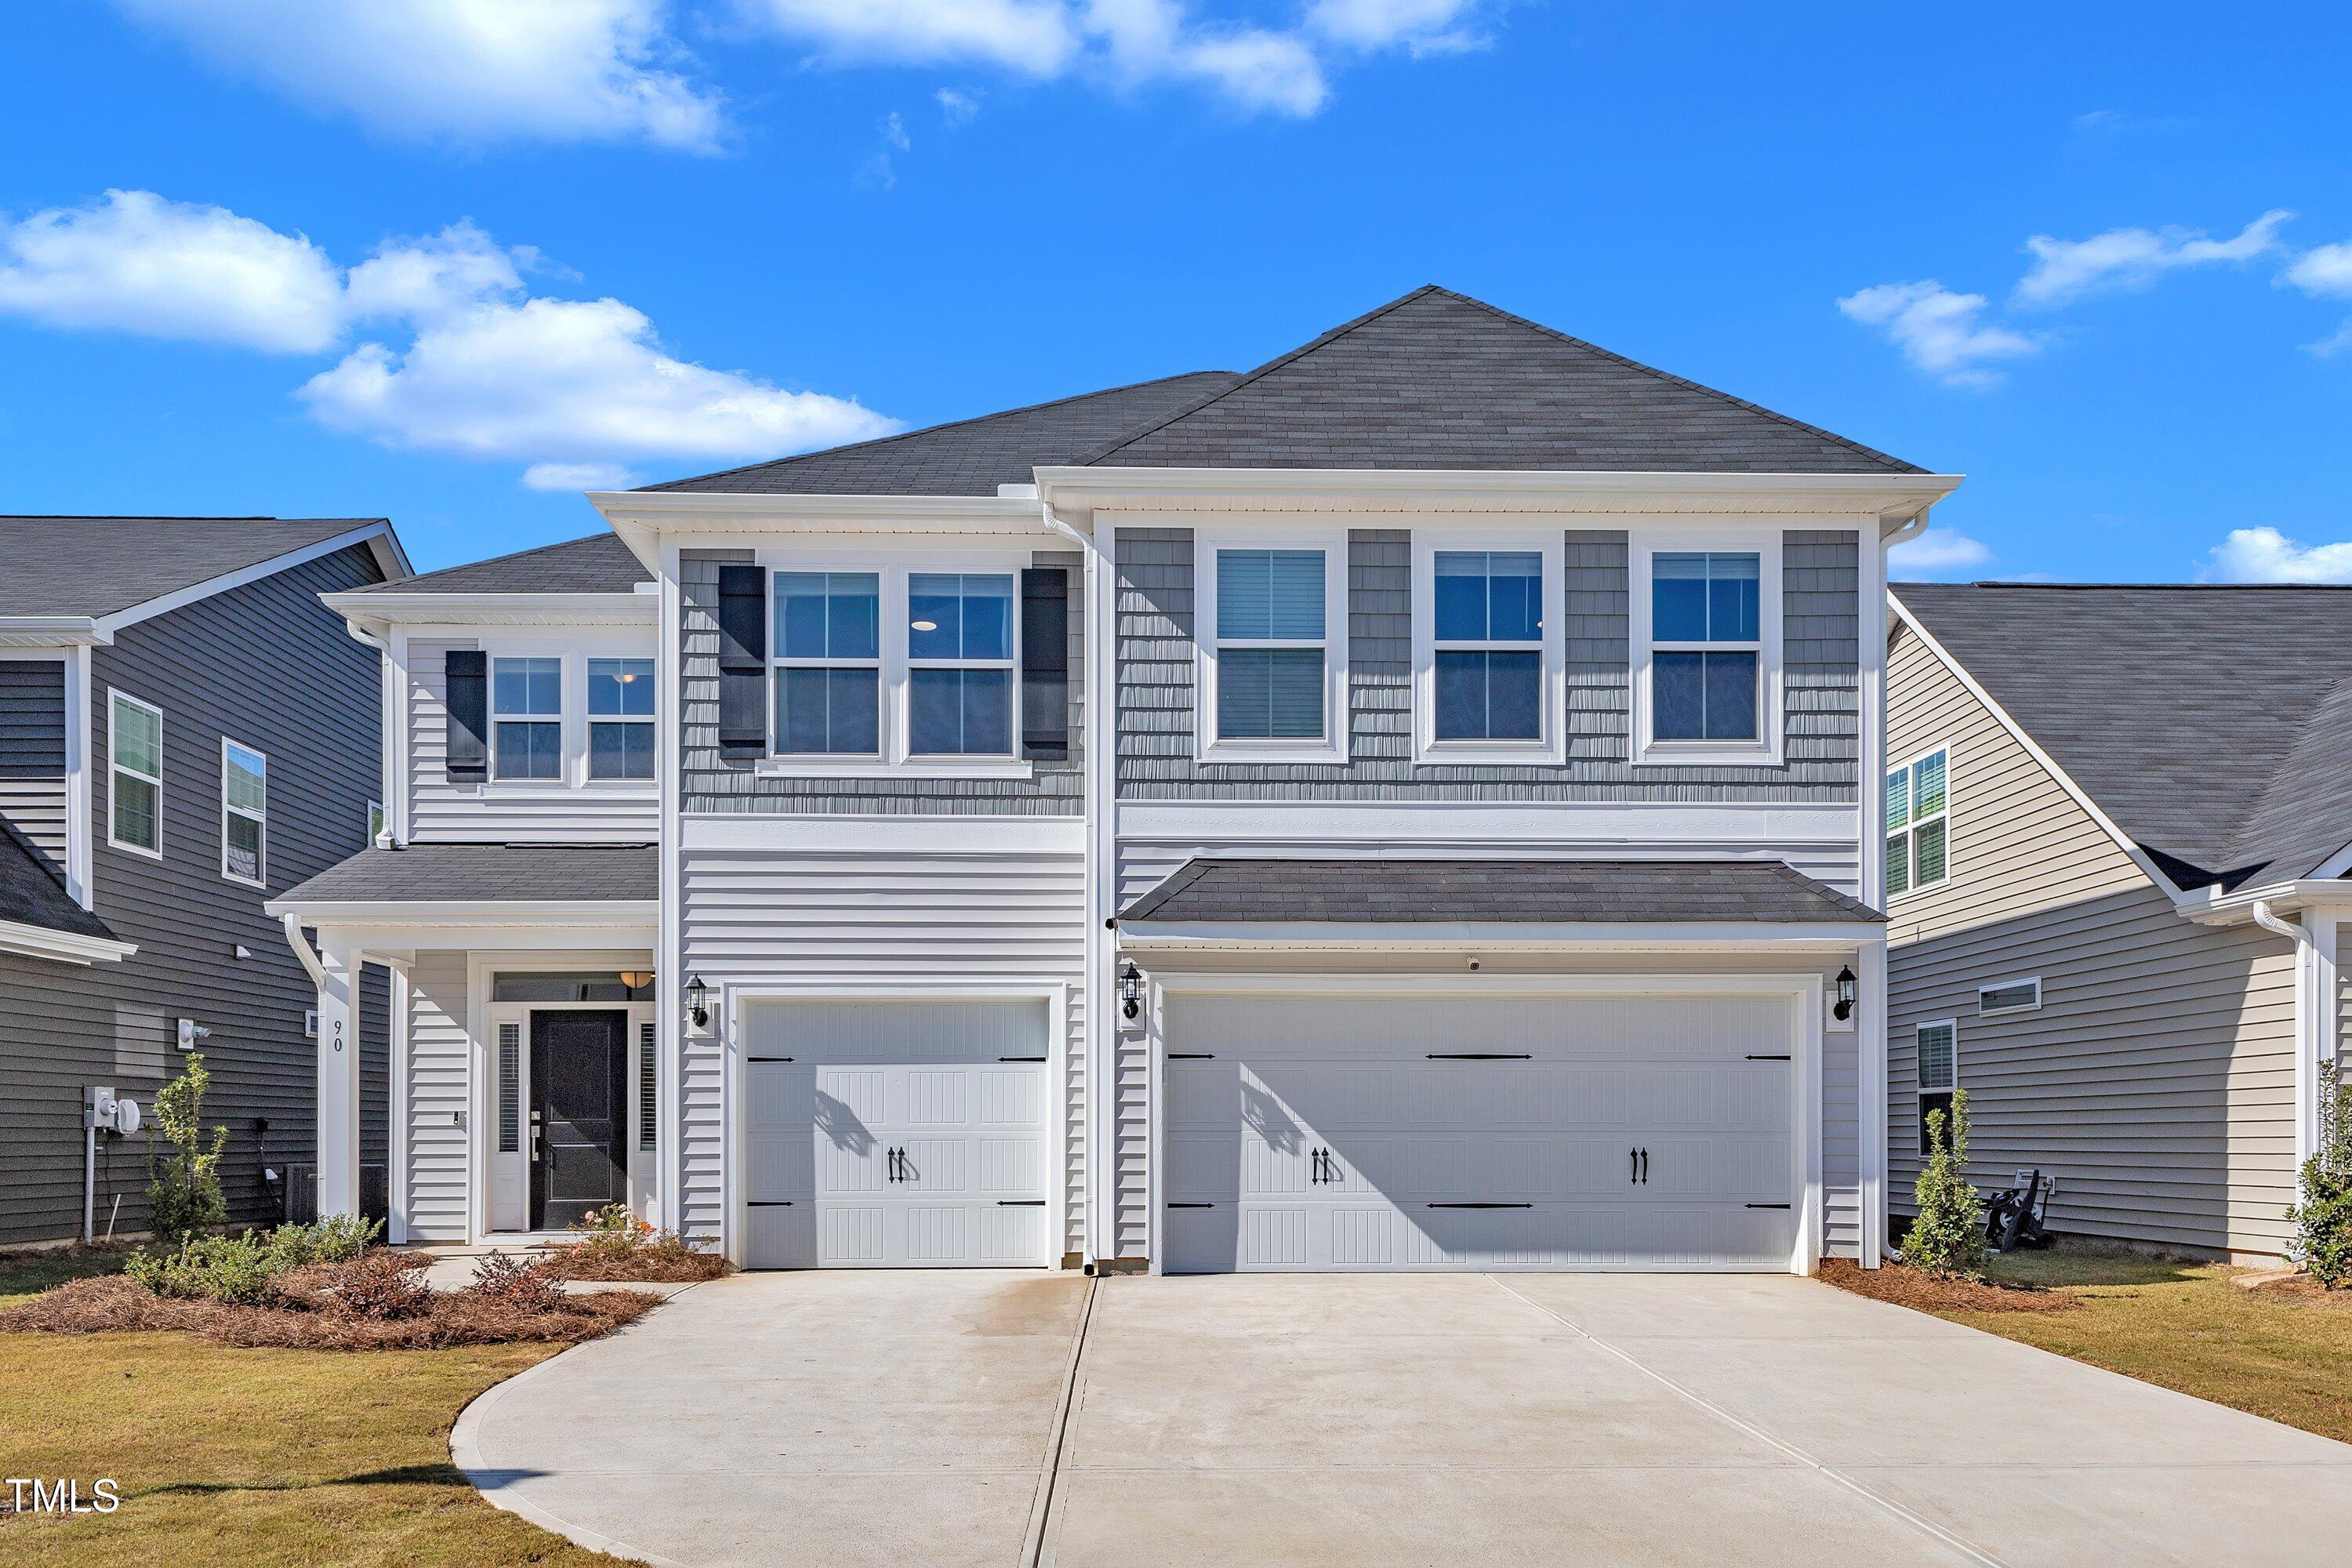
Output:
x=1844 y=1008
x=1130 y=990
x=697 y=1002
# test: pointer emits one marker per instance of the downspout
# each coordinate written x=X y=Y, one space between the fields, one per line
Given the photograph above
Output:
x=2307 y=1003
x=302 y=950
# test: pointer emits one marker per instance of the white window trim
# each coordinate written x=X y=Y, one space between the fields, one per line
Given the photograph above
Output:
x=376 y=821
x=1549 y=746
x=2032 y=1007
x=1769 y=749
x=1911 y=825
x=260 y=819
x=113 y=767
x=1919 y=1090
x=563 y=709
x=1011 y=664
x=589 y=719
x=894 y=563
x=1333 y=543
x=573 y=777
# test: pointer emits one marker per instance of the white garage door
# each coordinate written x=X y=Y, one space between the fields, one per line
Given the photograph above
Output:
x=1383 y=1133
x=894 y=1134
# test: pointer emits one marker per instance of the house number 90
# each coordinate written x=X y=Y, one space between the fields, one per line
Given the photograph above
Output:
x=339 y=1034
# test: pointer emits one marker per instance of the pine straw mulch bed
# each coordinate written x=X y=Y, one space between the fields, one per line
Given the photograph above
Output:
x=652 y=1263
x=305 y=1315
x=1917 y=1288
x=2302 y=1290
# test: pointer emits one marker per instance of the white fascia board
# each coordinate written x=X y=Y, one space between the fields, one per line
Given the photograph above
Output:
x=66 y=947
x=643 y=518
x=1662 y=936
x=2207 y=907
x=51 y=631
x=1892 y=499
x=1588 y=825
x=2336 y=865
x=598 y=914
x=371 y=615
x=2081 y=796
x=368 y=533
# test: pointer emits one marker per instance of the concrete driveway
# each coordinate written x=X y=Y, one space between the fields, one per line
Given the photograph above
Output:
x=949 y=1418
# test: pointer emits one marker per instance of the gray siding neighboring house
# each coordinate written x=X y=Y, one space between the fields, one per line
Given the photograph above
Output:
x=2156 y=1079
x=33 y=751
x=263 y=664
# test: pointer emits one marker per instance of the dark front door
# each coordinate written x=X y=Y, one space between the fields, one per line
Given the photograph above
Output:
x=580 y=1157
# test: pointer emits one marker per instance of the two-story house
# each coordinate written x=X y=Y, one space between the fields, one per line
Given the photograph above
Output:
x=184 y=729
x=1407 y=806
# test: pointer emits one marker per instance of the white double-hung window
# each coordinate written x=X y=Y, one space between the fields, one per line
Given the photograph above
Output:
x=1487 y=648
x=620 y=718
x=828 y=654
x=527 y=716
x=134 y=745
x=1936 y=1055
x=1918 y=824
x=1707 y=630
x=1273 y=621
x=244 y=813
x=959 y=664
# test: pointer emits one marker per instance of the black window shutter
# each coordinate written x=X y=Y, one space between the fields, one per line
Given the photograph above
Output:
x=1046 y=664
x=742 y=660
x=467 y=673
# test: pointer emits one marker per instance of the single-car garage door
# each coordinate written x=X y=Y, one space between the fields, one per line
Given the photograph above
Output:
x=907 y=1135
x=1327 y=1132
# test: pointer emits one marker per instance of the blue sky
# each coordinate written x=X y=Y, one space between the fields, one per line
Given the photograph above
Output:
x=453 y=260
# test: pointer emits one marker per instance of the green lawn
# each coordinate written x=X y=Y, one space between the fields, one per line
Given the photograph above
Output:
x=2186 y=1327
x=255 y=1456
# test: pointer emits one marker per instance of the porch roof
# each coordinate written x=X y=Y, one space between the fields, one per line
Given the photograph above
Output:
x=443 y=873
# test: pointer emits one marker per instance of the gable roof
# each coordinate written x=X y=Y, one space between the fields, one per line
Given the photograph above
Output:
x=970 y=457
x=1382 y=891
x=1438 y=380
x=2209 y=724
x=32 y=894
x=599 y=563
x=97 y=566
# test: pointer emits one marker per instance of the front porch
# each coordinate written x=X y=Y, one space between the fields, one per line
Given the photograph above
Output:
x=525 y=1060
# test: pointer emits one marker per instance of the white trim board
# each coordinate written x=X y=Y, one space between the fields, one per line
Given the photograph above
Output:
x=874 y=833
x=66 y=947
x=1662 y=936
x=1594 y=824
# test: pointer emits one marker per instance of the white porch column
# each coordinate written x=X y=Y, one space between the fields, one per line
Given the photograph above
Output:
x=339 y=1075
x=1869 y=1048
x=2321 y=1017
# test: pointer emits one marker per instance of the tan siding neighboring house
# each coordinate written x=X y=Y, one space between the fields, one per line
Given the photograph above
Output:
x=2156 y=1081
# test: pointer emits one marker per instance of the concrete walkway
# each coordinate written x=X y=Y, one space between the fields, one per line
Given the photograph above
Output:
x=908 y=1418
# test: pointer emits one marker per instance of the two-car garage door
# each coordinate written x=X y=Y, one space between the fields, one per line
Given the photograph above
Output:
x=1374 y=1133
x=896 y=1133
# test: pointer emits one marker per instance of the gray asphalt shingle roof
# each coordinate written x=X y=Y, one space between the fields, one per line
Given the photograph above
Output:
x=599 y=563
x=1247 y=891
x=96 y=566
x=970 y=457
x=31 y=893
x=2212 y=724
x=442 y=873
x=1438 y=380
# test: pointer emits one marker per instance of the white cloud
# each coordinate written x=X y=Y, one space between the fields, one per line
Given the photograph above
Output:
x=428 y=277
x=2266 y=555
x=1122 y=43
x=567 y=380
x=1937 y=329
x=1937 y=551
x=578 y=476
x=2066 y=270
x=551 y=71
x=2327 y=347
x=2323 y=269
x=133 y=262
x=956 y=107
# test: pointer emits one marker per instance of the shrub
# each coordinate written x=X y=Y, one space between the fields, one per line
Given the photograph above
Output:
x=2321 y=1215
x=238 y=1269
x=1948 y=1239
x=338 y=1238
x=616 y=1245
x=183 y=1190
x=613 y=1219
x=511 y=1281
x=382 y=1286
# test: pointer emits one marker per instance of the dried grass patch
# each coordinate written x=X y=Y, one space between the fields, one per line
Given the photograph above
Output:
x=1914 y=1287
x=311 y=1321
x=2303 y=1290
x=634 y=1262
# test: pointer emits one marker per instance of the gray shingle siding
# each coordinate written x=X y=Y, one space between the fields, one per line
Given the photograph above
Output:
x=713 y=783
x=271 y=667
x=33 y=751
x=1820 y=621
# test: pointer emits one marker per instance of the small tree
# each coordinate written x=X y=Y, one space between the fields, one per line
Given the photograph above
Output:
x=2323 y=1217
x=1949 y=1236
x=183 y=1190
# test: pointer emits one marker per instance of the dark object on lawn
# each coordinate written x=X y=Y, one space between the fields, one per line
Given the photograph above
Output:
x=2014 y=1216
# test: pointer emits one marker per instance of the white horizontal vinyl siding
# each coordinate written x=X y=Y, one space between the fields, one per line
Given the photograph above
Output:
x=505 y=812
x=864 y=921
x=2157 y=1080
x=439 y=1060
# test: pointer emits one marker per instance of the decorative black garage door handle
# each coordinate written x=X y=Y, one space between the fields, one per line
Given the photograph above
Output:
x=1020 y=1203
x=1782 y=1058
x=1478 y=1205
x=1646 y=1167
x=1192 y=1205
x=1192 y=1055
x=1021 y=1058
x=1478 y=1057
x=897 y=1156
x=1768 y=1205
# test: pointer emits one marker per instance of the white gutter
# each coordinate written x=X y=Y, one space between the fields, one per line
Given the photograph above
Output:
x=302 y=950
x=2271 y=922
